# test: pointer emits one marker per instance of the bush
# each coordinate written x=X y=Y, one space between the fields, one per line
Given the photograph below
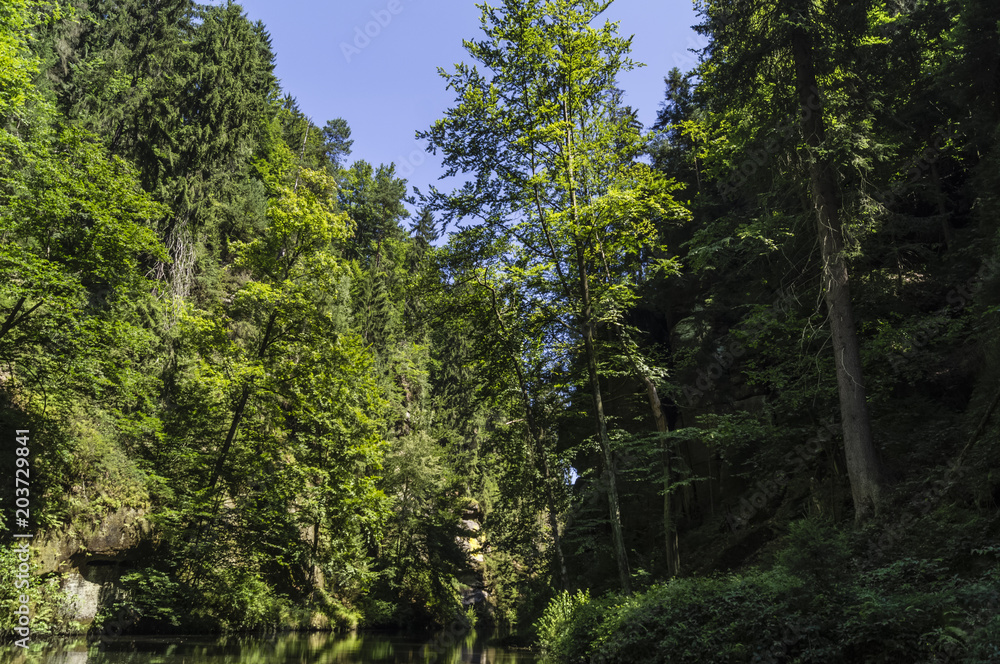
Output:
x=811 y=607
x=557 y=621
x=151 y=595
x=241 y=600
x=47 y=602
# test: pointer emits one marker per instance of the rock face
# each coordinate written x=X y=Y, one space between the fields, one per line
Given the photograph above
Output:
x=92 y=558
x=475 y=596
x=68 y=657
x=474 y=592
x=85 y=597
x=472 y=544
x=118 y=534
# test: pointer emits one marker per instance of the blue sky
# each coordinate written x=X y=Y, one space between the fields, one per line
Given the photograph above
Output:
x=390 y=88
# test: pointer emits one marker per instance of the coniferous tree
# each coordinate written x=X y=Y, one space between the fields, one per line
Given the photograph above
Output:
x=792 y=33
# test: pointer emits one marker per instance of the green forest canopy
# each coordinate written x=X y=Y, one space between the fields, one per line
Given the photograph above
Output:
x=718 y=390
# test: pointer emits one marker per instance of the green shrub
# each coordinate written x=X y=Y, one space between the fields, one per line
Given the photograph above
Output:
x=800 y=611
x=556 y=622
x=152 y=595
x=48 y=604
x=243 y=601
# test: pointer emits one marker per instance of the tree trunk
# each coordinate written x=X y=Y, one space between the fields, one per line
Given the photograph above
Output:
x=553 y=518
x=536 y=438
x=862 y=462
x=13 y=319
x=587 y=323
x=946 y=233
x=671 y=549
x=234 y=426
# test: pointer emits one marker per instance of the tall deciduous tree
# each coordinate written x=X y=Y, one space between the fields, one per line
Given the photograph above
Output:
x=553 y=154
x=290 y=392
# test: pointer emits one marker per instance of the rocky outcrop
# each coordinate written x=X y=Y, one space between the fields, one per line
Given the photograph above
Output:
x=471 y=542
x=114 y=538
x=92 y=557
x=84 y=595
x=474 y=596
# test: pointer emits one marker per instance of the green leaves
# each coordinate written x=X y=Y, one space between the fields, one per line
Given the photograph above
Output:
x=552 y=153
x=373 y=199
x=77 y=234
x=288 y=408
x=19 y=20
x=88 y=213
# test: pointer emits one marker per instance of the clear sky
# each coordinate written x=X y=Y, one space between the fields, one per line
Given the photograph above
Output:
x=389 y=87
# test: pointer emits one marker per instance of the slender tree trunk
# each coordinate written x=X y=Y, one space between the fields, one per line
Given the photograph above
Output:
x=553 y=518
x=587 y=325
x=400 y=570
x=241 y=407
x=234 y=426
x=942 y=207
x=312 y=563
x=536 y=439
x=981 y=428
x=586 y=321
x=671 y=548
x=13 y=319
x=862 y=462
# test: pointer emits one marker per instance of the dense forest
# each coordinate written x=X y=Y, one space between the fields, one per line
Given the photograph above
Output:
x=722 y=389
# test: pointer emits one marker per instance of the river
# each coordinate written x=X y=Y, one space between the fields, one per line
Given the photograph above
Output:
x=362 y=648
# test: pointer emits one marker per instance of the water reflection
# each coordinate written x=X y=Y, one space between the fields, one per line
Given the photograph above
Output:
x=282 y=649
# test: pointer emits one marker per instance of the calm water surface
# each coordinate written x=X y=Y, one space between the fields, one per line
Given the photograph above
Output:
x=282 y=649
